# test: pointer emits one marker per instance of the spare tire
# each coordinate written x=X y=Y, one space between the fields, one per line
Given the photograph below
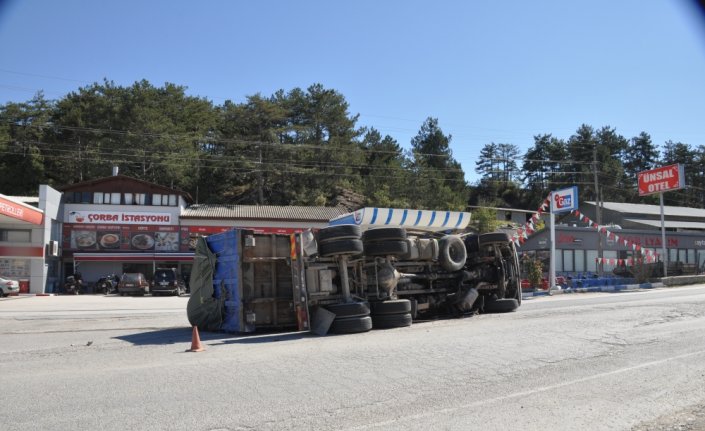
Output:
x=333 y=233
x=452 y=253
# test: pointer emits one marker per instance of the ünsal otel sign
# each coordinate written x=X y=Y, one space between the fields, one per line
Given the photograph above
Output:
x=661 y=179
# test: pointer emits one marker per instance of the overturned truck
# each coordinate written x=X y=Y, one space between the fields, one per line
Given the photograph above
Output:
x=375 y=268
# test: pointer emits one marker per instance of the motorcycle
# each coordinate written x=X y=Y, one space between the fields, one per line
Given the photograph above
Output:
x=73 y=285
x=107 y=285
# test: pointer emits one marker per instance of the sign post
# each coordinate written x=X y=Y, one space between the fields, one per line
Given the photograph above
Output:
x=659 y=180
x=561 y=201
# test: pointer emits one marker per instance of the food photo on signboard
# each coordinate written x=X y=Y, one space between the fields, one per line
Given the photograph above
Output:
x=83 y=239
x=142 y=241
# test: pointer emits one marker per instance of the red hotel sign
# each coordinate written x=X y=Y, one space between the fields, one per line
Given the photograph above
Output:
x=20 y=212
x=661 y=179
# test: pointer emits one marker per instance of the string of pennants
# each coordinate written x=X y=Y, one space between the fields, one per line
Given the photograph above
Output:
x=649 y=254
x=523 y=232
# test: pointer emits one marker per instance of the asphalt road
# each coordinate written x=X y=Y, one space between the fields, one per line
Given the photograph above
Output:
x=615 y=361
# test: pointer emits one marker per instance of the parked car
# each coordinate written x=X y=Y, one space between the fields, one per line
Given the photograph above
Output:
x=133 y=283
x=9 y=287
x=168 y=281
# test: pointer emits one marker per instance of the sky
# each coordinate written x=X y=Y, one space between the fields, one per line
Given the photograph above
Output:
x=490 y=71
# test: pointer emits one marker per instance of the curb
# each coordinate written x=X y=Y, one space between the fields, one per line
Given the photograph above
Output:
x=617 y=288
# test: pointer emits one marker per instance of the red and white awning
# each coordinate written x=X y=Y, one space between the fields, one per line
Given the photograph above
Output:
x=133 y=257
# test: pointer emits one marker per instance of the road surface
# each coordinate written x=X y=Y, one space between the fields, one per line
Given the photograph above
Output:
x=614 y=361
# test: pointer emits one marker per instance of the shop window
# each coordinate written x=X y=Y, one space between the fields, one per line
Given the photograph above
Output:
x=579 y=260
x=98 y=198
x=568 y=261
x=559 y=261
x=612 y=255
x=16 y=235
x=128 y=198
x=690 y=255
x=172 y=200
x=591 y=261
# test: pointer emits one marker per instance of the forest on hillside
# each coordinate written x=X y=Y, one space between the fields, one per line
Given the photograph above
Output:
x=304 y=147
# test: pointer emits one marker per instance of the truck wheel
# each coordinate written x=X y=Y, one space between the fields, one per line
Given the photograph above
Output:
x=334 y=233
x=349 y=309
x=386 y=321
x=340 y=247
x=501 y=305
x=386 y=248
x=385 y=234
x=351 y=325
x=392 y=306
x=452 y=253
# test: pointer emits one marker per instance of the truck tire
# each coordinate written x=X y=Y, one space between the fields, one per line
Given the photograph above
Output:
x=349 y=309
x=351 y=325
x=387 y=321
x=452 y=253
x=384 y=234
x=340 y=247
x=392 y=306
x=501 y=305
x=386 y=248
x=334 y=233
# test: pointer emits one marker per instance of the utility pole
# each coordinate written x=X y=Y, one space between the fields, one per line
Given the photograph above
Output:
x=598 y=215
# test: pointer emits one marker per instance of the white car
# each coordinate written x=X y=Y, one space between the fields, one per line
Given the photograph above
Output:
x=9 y=287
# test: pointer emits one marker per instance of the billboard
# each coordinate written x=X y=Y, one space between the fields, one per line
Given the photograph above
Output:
x=663 y=179
x=564 y=200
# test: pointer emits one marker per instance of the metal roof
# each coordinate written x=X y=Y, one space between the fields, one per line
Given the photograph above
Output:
x=262 y=212
x=651 y=210
x=669 y=224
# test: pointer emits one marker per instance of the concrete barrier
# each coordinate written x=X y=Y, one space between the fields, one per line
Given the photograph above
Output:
x=682 y=280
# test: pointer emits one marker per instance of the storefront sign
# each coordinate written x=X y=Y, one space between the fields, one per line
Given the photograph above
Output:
x=20 y=212
x=661 y=179
x=564 y=200
x=119 y=217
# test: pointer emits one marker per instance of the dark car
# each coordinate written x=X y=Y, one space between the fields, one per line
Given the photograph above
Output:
x=133 y=283
x=167 y=281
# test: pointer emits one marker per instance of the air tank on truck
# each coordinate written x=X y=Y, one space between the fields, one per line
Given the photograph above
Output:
x=375 y=268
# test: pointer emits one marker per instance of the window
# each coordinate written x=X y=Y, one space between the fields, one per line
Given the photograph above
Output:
x=156 y=199
x=98 y=198
x=172 y=200
x=115 y=198
x=16 y=235
x=128 y=198
x=86 y=197
x=591 y=262
x=568 y=261
x=140 y=198
x=609 y=254
x=580 y=260
x=559 y=261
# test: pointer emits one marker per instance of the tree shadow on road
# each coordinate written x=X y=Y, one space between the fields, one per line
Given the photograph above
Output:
x=184 y=335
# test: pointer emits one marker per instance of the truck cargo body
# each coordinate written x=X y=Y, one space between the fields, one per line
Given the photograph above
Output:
x=348 y=279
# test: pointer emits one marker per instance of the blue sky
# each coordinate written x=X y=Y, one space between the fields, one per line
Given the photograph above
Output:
x=490 y=71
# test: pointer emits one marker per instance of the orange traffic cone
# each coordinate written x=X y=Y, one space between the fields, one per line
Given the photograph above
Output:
x=196 y=345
